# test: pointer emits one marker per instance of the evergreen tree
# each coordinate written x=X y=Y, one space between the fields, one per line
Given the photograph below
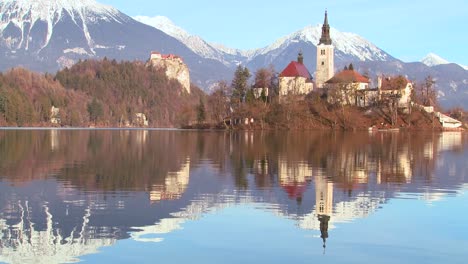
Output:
x=263 y=96
x=240 y=84
x=95 y=110
x=351 y=67
x=201 y=113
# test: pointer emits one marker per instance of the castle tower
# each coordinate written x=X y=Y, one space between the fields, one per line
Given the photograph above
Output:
x=325 y=56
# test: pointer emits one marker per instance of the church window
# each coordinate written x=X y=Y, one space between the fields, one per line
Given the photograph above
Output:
x=323 y=63
x=322 y=52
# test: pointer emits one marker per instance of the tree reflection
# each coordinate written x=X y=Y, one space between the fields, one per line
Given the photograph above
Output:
x=107 y=183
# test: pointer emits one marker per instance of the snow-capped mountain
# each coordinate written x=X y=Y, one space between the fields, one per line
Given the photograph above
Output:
x=30 y=25
x=229 y=57
x=432 y=59
x=348 y=45
x=46 y=35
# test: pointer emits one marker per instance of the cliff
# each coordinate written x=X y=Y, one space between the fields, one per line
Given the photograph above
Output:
x=174 y=66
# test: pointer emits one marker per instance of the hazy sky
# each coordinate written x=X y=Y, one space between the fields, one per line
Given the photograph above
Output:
x=406 y=29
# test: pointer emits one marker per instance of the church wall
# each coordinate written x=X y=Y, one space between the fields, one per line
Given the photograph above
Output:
x=294 y=85
x=325 y=64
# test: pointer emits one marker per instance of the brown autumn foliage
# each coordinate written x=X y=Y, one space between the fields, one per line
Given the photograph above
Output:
x=102 y=93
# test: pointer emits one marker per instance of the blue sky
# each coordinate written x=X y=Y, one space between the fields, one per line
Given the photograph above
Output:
x=406 y=29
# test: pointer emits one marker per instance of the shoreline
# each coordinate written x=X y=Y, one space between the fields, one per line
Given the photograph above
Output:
x=370 y=129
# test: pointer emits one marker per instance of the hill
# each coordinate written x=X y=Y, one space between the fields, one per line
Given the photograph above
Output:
x=103 y=93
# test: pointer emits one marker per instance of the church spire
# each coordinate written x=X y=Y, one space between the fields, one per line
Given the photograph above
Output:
x=300 y=57
x=324 y=219
x=325 y=39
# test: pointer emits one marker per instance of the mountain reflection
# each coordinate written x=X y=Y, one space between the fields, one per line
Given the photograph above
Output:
x=65 y=194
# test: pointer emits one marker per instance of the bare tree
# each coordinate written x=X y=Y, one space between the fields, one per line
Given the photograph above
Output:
x=218 y=103
x=427 y=94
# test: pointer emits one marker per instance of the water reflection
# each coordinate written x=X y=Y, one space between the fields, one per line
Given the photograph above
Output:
x=66 y=194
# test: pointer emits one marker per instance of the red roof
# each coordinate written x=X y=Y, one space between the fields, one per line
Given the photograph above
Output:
x=394 y=83
x=296 y=69
x=295 y=191
x=348 y=76
x=166 y=56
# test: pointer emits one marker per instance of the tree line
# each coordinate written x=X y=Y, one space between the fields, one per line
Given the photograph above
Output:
x=108 y=93
x=97 y=93
x=255 y=97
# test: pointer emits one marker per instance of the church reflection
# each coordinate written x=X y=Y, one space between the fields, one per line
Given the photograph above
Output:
x=65 y=194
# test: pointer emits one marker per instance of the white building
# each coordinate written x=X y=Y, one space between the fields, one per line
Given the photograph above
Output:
x=295 y=79
x=398 y=87
x=325 y=56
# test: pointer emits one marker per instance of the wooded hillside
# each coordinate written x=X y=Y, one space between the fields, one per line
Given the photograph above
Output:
x=101 y=93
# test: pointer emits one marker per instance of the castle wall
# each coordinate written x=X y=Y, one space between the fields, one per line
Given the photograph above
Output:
x=175 y=69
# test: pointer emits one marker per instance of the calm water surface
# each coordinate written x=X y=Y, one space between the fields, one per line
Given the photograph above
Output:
x=214 y=197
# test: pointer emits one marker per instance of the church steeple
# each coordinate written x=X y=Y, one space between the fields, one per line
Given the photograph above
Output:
x=324 y=219
x=325 y=39
x=300 y=57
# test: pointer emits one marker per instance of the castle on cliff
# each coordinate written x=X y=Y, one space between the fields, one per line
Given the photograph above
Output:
x=174 y=66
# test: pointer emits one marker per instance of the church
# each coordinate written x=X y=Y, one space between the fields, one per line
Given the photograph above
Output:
x=296 y=79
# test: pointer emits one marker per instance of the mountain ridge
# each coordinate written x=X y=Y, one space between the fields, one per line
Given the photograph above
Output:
x=48 y=35
x=433 y=59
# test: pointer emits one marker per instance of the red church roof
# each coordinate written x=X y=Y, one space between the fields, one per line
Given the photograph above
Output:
x=295 y=190
x=295 y=69
x=348 y=76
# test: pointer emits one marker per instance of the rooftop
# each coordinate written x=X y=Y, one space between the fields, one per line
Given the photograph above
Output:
x=296 y=69
x=394 y=83
x=348 y=76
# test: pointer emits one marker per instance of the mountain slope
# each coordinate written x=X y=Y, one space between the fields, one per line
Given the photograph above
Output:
x=47 y=35
x=348 y=46
x=229 y=57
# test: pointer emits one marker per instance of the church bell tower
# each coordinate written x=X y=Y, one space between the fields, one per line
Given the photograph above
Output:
x=325 y=56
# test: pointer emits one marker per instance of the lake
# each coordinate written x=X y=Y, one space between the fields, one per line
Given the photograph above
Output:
x=155 y=196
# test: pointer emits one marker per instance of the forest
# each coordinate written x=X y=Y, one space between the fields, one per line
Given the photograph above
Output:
x=103 y=93
x=107 y=93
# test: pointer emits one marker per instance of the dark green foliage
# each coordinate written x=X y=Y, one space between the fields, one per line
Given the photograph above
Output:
x=240 y=84
x=15 y=106
x=263 y=96
x=351 y=67
x=201 y=112
x=95 y=110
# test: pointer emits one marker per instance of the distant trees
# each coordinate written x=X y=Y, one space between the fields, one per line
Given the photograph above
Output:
x=105 y=92
x=426 y=92
x=218 y=103
x=95 y=110
x=201 y=112
x=127 y=88
x=240 y=84
x=266 y=78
